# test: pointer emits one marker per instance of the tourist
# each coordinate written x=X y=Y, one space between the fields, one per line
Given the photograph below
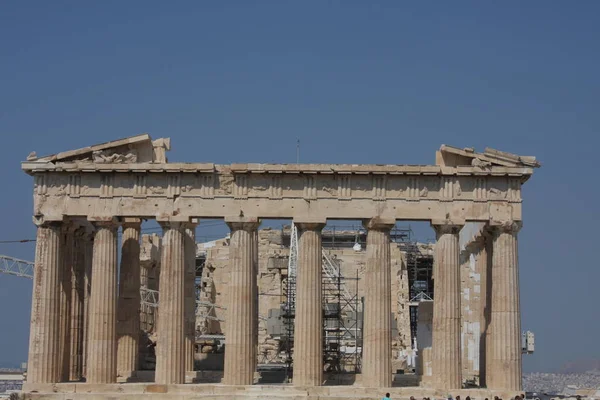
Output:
x=387 y=397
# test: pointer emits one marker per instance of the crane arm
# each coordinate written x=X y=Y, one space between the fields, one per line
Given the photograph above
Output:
x=16 y=267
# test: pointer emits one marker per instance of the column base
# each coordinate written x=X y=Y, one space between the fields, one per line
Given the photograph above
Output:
x=126 y=376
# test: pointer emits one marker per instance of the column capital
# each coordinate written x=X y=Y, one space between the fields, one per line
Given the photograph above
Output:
x=172 y=224
x=444 y=227
x=506 y=226
x=174 y=218
x=192 y=224
x=248 y=224
x=129 y=222
x=310 y=224
x=104 y=221
x=379 y=224
x=89 y=232
x=43 y=221
x=70 y=226
x=80 y=232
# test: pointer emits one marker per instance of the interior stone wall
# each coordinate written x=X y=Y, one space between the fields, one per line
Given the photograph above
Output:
x=149 y=274
x=471 y=300
x=272 y=275
x=470 y=312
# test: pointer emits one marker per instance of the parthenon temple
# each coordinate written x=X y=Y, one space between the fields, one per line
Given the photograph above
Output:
x=340 y=312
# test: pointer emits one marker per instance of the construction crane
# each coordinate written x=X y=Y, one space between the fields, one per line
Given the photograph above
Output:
x=24 y=269
x=16 y=267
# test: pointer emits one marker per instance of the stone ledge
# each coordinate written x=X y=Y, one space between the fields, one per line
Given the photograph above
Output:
x=135 y=391
x=327 y=169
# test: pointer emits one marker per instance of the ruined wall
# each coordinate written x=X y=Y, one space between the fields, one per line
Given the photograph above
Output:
x=473 y=260
x=149 y=274
x=272 y=280
x=215 y=282
x=272 y=256
x=470 y=329
x=215 y=278
x=424 y=338
x=400 y=308
x=272 y=276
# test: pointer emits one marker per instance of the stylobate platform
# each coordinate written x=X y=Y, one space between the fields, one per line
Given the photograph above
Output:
x=137 y=391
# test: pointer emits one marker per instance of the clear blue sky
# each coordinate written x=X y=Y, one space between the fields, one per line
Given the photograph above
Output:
x=383 y=82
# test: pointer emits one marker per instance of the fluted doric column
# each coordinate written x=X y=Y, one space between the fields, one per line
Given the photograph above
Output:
x=255 y=301
x=101 y=366
x=88 y=255
x=77 y=299
x=128 y=314
x=483 y=260
x=308 y=322
x=504 y=366
x=66 y=273
x=190 y=294
x=446 y=346
x=44 y=337
x=240 y=356
x=170 y=346
x=377 y=326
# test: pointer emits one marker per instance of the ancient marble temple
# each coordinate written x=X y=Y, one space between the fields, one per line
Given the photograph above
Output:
x=85 y=308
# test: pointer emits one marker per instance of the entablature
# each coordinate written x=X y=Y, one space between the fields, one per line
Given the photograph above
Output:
x=132 y=178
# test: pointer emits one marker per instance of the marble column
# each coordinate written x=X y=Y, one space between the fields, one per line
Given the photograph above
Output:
x=128 y=313
x=44 y=337
x=189 y=288
x=377 y=331
x=77 y=298
x=170 y=346
x=88 y=243
x=483 y=267
x=101 y=366
x=308 y=322
x=505 y=326
x=67 y=244
x=446 y=341
x=240 y=356
x=255 y=301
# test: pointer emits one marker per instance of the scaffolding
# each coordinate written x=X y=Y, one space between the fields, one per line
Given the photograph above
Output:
x=341 y=320
x=290 y=305
x=419 y=266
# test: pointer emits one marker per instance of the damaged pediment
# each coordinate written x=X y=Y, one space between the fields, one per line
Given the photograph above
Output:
x=134 y=149
x=453 y=157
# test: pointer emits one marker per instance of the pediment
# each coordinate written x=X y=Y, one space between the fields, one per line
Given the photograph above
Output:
x=133 y=149
x=453 y=156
